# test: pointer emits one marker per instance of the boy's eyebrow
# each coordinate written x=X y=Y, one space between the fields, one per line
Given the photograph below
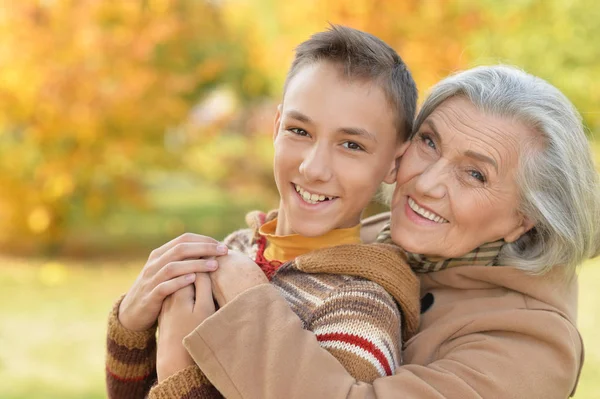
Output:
x=357 y=131
x=299 y=116
x=469 y=153
x=351 y=131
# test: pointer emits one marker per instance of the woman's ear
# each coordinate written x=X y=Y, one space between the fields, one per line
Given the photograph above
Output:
x=390 y=177
x=277 y=122
x=524 y=226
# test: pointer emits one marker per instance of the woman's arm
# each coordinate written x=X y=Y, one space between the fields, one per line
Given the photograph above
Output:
x=178 y=375
x=131 y=338
x=537 y=356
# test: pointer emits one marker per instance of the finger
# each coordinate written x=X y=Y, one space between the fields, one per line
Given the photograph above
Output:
x=186 y=237
x=204 y=294
x=166 y=288
x=166 y=305
x=190 y=250
x=176 y=269
x=184 y=295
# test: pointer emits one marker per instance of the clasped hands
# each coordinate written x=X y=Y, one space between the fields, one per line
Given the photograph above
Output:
x=178 y=287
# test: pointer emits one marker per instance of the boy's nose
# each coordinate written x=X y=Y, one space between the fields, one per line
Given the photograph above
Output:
x=316 y=165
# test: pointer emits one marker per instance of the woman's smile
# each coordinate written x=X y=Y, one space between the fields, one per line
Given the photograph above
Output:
x=421 y=214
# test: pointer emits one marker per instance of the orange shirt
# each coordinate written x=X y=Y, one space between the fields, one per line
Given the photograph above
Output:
x=288 y=247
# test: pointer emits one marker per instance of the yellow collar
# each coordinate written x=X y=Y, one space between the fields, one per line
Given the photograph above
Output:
x=288 y=247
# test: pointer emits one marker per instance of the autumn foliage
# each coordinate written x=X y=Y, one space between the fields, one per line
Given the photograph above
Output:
x=97 y=95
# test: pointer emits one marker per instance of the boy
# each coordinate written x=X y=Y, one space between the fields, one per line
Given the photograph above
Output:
x=348 y=104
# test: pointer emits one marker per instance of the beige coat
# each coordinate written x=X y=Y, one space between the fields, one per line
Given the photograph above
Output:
x=490 y=332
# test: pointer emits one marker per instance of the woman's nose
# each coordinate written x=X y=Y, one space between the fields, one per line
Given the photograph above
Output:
x=432 y=181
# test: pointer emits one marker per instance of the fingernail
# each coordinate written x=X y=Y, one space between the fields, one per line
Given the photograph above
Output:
x=190 y=277
x=211 y=264
x=222 y=249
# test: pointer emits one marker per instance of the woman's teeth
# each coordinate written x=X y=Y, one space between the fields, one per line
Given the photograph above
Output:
x=311 y=198
x=426 y=214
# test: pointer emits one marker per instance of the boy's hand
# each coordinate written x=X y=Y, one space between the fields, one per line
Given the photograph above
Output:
x=168 y=269
x=182 y=312
x=236 y=274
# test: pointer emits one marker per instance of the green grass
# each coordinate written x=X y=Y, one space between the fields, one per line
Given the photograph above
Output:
x=53 y=326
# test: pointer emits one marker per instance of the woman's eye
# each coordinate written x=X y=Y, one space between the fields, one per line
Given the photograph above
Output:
x=351 y=145
x=477 y=175
x=298 y=131
x=427 y=140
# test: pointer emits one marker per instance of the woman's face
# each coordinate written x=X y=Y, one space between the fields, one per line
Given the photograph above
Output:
x=456 y=186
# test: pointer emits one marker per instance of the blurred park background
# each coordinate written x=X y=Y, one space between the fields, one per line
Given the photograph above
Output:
x=126 y=123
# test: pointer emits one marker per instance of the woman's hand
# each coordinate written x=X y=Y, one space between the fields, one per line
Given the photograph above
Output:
x=181 y=313
x=236 y=273
x=168 y=269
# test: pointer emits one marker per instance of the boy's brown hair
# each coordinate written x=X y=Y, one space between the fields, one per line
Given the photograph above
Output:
x=363 y=56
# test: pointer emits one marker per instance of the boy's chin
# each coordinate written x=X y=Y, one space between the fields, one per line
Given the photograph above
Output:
x=311 y=229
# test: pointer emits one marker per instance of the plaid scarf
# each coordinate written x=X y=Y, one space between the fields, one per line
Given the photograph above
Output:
x=484 y=255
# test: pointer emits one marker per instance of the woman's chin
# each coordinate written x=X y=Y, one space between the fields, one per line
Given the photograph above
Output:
x=410 y=244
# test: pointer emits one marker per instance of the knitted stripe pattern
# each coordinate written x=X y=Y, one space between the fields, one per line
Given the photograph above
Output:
x=352 y=316
x=130 y=359
x=131 y=368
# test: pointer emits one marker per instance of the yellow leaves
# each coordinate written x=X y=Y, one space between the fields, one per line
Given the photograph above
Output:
x=59 y=186
x=39 y=219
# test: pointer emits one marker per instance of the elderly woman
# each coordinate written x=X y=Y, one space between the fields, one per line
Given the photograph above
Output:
x=496 y=203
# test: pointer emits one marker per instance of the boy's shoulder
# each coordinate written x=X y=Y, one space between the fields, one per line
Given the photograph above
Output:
x=243 y=240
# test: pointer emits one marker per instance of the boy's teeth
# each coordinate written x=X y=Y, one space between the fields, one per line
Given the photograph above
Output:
x=310 y=197
x=426 y=214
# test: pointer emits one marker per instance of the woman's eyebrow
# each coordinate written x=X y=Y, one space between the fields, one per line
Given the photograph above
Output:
x=433 y=128
x=469 y=153
x=482 y=158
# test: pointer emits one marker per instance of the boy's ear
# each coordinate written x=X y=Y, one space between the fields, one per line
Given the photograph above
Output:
x=403 y=147
x=277 y=122
x=390 y=177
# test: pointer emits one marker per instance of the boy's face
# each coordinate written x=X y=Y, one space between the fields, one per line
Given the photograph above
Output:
x=335 y=142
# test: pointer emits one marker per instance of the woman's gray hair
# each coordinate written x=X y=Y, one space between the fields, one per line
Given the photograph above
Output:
x=558 y=181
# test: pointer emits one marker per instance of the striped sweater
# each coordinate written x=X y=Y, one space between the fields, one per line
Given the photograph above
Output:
x=347 y=295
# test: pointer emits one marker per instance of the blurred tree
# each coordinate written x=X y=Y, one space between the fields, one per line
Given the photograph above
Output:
x=550 y=39
x=95 y=95
x=427 y=34
x=87 y=91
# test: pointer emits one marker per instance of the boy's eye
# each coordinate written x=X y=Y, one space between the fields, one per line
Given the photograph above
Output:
x=477 y=175
x=351 y=145
x=298 y=131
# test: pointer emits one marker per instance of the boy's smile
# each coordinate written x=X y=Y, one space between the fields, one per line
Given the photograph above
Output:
x=335 y=142
x=311 y=197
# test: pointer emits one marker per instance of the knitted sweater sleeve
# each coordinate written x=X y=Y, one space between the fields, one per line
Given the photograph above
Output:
x=130 y=359
x=188 y=383
x=191 y=382
x=360 y=324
